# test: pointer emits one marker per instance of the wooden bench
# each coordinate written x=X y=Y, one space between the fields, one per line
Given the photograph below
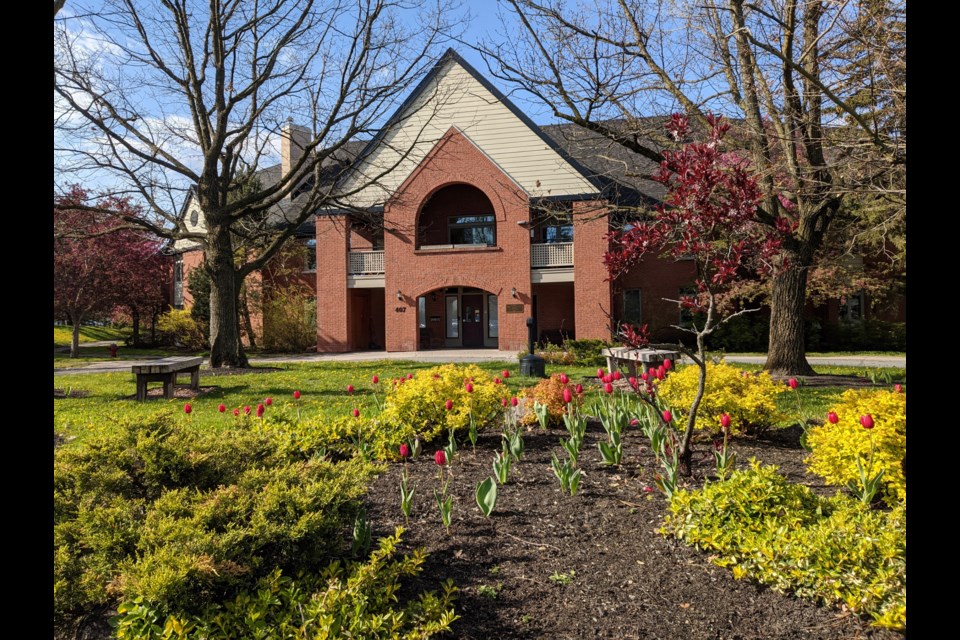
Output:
x=165 y=370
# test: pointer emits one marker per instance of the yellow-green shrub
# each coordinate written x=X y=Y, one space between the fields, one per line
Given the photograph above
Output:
x=749 y=399
x=418 y=404
x=783 y=535
x=836 y=447
x=550 y=393
x=177 y=327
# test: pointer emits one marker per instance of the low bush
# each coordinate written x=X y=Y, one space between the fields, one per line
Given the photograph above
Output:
x=836 y=549
x=749 y=398
x=837 y=447
x=175 y=516
x=548 y=392
x=178 y=328
x=355 y=600
x=580 y=353
x=417 y=405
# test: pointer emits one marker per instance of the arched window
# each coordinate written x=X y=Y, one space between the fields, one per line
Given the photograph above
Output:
x=458 y=214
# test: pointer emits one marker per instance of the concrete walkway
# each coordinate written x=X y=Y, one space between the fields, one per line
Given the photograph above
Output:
x=459 y=355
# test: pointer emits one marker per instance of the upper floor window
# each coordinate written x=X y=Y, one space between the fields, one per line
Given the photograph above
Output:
x=194 y=218
x=852 y=307
x=474 y=229
x=558 y=231
x=310 y=260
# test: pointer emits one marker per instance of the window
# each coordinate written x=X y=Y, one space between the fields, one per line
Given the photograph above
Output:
x=558 y=233
x=631 y=307
x=472 y=230
x=686 y=315
x=851 y=308
x=453 y=317
x=178 y=281
x=194 y=218
x=422 y=312
x=310 y=260
x=493 y=329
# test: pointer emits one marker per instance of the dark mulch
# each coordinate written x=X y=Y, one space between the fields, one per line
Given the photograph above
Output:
x=181 y=392
x=237 y=372
x=627 y=581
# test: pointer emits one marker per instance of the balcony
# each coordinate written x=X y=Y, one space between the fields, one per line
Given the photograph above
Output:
x=365 y=263
x=556 y=254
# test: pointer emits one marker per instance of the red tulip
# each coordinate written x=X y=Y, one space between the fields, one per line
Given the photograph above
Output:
x=661 y=373
x=505 y=374
x=644 y=376
x=440 y=457
x=496 y=381
x=469 y=387
x=404 y=450
x=221 y=408
x=607 y=379
x=898 y=388
x=246 y=410
x=409 y=376
x=296 y=395
x=356 y=412
x=187 y=408
x=564 y=379
x=260 y=410
x=579 y=389
x=514 y=402
x=667 y=364
x=792 y=382
x=634 y=423
x=600 y=373
x=617 y=375
x=504 y=401
x=268 y=401
x=632 y=381
x=375 y=379
x=833 y=418
x=449 y=404
x=667 y=416
x=436 y=376
x=866 y=421
x=725 y=420
x=567 y=396
x=349 y=388
x=236 y=412
x=608 y=387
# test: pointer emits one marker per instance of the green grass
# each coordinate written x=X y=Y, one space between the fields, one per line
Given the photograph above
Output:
x=828 y=354
x=63 y=334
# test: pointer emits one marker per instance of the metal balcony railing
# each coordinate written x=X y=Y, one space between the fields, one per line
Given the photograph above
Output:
x=556 y=254
x=364 y=262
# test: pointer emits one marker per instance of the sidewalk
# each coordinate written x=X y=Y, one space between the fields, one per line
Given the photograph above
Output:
x=459 y=355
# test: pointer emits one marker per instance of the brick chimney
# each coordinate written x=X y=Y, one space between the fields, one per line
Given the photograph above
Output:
x=293 y=139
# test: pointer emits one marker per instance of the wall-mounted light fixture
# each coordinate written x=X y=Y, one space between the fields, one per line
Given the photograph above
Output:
x=513 y=292
x=399 y=295
x=523 y=223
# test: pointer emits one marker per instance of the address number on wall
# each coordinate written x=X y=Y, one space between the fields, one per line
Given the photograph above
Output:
x=400 y=309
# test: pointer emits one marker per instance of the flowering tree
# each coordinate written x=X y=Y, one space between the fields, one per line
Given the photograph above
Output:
x=710 y=217
x=97 y=267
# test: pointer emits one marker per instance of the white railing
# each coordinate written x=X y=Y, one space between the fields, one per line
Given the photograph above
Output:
x=557 y=254
x=364 y=262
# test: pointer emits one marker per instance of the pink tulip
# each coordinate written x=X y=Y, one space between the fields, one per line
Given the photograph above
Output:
x=644 y=376
x=514 y=402
x=246 y=410
x=375 y=379
x=725 y=420
x=632 y=381
x=667 y=416
x=661 y=373
x=236 y=412
x=469 y=387
x=600 y=373
x=440 y=457
x=833 y=418
x=268 y=401
x=260 y=410
x=296 y=395
x=579 y=389
x=634 y=423
x=409 y=376
x=564 y=379
x=866 y=421
x=667 y=364
x=617 y=375
x=356 y=412
x=449 y=404
x=792 y=382
x=404 y=450
x=567 y=396
x=187 y=408
x=221 y=408
x=608 y=387
x=349 y=388
x=648 y=489
x=504 y=401
x=505 y=374
x=898 y=388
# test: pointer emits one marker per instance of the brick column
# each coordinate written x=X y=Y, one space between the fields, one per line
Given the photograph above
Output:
x=591 y=291
x=333 y=306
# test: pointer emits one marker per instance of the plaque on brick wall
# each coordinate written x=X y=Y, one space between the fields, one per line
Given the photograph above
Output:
x=514 y=308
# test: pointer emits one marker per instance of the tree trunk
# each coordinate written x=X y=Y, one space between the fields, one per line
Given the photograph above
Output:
x=245 y=314
x=153 y=328
x=135 y=316
x=786 y=353
x=226 y=350
x=75 y=341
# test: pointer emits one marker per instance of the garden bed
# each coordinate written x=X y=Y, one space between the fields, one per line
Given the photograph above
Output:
x=547 y=565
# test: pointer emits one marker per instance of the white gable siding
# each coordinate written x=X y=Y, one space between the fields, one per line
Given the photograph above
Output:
x=456 y=99
x=201 y=226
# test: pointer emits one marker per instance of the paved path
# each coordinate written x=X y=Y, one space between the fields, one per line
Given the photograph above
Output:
x=457 y=355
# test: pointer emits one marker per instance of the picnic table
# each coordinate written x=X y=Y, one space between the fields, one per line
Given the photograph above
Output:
x=165 y=370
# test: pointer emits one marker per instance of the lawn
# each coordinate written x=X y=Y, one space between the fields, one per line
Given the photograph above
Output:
x=545 y=564
x=63 y=334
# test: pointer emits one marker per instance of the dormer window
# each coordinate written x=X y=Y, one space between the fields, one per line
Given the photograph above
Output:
x=194 y=218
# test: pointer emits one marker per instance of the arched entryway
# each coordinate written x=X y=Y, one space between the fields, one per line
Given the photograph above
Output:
x=464 y=317
x=457 y=215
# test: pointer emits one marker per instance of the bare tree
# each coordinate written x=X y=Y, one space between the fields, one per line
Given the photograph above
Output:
x=782 y=69
x=158 y=97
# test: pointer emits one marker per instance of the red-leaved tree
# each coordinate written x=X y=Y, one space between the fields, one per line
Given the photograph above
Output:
x=709 y=216
x=97 y=267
